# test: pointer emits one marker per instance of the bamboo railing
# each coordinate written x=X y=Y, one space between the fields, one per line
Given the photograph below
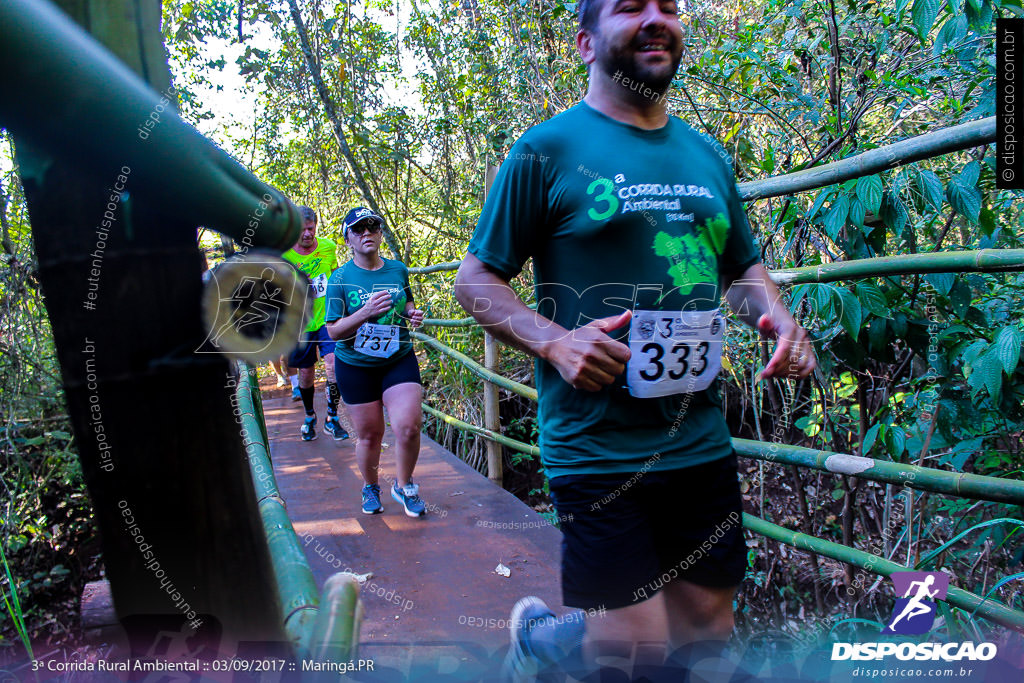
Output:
x=960 y=484
x=990 y=609
x=979 y=261
x=912 y=476
x=476 y=368
x=933 y=144
x=328 y=634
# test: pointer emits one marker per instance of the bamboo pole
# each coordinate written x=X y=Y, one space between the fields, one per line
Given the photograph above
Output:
x=170 y=458
x=476 y=368
x=480 y=431
x=990 y=609
x=981 y=260
x=933 y=144
x=254 y=437
x=319 y=629
x=296 y=587
x=78 y=102
x=976 y=261
x=492 y=417
x=974 y=486
x=436 y=268
x=459 y=322
x=253 y=380
x=452 y=322
x=335 y=636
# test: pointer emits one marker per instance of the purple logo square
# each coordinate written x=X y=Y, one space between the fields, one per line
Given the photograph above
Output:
x=916 y=595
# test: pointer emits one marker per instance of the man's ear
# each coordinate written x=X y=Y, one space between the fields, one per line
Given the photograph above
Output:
x=585 y=45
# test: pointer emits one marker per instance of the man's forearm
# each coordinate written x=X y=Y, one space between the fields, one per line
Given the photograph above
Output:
x=493 y=303
x=753 y=294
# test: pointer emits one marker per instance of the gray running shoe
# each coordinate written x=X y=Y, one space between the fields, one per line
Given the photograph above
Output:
x=332 y=426
x=521 y=664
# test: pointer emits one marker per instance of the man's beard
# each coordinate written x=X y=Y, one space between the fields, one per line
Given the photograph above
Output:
x=623 y=61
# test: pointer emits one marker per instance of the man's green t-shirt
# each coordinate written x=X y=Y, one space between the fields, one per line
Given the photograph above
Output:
x=318 y=266
x=348 y=290
x=618 y=218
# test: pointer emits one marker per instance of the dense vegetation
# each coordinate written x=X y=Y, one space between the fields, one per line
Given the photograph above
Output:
x=416 y=98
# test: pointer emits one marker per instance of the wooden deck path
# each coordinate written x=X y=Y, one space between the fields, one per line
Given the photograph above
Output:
x=434 y=605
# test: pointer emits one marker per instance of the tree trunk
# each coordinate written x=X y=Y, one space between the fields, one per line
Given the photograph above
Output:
x=336 y=125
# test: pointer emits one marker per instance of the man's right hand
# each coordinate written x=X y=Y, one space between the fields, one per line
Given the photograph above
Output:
x=587 y=358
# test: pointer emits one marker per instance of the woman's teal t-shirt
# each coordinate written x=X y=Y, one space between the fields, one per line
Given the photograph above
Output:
x=348 y=290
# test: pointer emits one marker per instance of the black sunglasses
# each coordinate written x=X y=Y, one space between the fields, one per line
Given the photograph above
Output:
x=373 y=227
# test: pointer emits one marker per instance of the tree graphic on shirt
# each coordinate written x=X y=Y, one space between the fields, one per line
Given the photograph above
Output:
x=393 y=316
x=693 y=258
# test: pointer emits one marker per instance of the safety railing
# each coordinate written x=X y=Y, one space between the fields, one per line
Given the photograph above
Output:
x=963 y=485
x=324 y=629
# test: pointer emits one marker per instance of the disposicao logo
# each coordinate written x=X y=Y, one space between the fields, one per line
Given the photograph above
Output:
x=914 y=614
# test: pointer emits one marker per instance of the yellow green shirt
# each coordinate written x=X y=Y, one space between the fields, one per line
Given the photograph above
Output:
x=317 y=266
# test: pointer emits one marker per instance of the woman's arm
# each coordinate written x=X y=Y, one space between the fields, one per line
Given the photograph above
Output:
x=345 y=327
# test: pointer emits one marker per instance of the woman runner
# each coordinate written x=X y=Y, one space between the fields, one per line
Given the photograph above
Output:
x=368 y=306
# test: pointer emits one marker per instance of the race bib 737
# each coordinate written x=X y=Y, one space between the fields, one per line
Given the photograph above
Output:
x=379 y=341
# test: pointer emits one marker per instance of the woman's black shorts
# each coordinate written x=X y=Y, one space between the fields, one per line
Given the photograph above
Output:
x=359 y=384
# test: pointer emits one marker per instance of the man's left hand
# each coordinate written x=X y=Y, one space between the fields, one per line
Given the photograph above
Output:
x=794 y=354
x=415 y=316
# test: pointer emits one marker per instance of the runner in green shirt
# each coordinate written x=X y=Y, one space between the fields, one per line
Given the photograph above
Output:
x=636 y=230
x=316 y=258
x=368 y=304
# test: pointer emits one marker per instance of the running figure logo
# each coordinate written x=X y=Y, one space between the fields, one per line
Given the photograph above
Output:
x=914 y=613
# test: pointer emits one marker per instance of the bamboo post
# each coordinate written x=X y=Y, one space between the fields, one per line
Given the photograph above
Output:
x=492 y=416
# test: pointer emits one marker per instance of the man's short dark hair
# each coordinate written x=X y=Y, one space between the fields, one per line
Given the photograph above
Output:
x=308 y=215
x=587 y=11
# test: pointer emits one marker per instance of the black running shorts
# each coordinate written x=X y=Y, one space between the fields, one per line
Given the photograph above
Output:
x=360 y=384
x=626 y=536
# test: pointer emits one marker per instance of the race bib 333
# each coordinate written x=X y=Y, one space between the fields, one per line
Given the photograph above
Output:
x=674 y=352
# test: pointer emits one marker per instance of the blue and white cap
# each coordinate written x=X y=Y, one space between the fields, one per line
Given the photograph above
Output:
x=360 y=214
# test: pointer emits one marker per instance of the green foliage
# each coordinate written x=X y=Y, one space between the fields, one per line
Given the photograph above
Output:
x=45 y=519
x=912 y=369
x=12 y=604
